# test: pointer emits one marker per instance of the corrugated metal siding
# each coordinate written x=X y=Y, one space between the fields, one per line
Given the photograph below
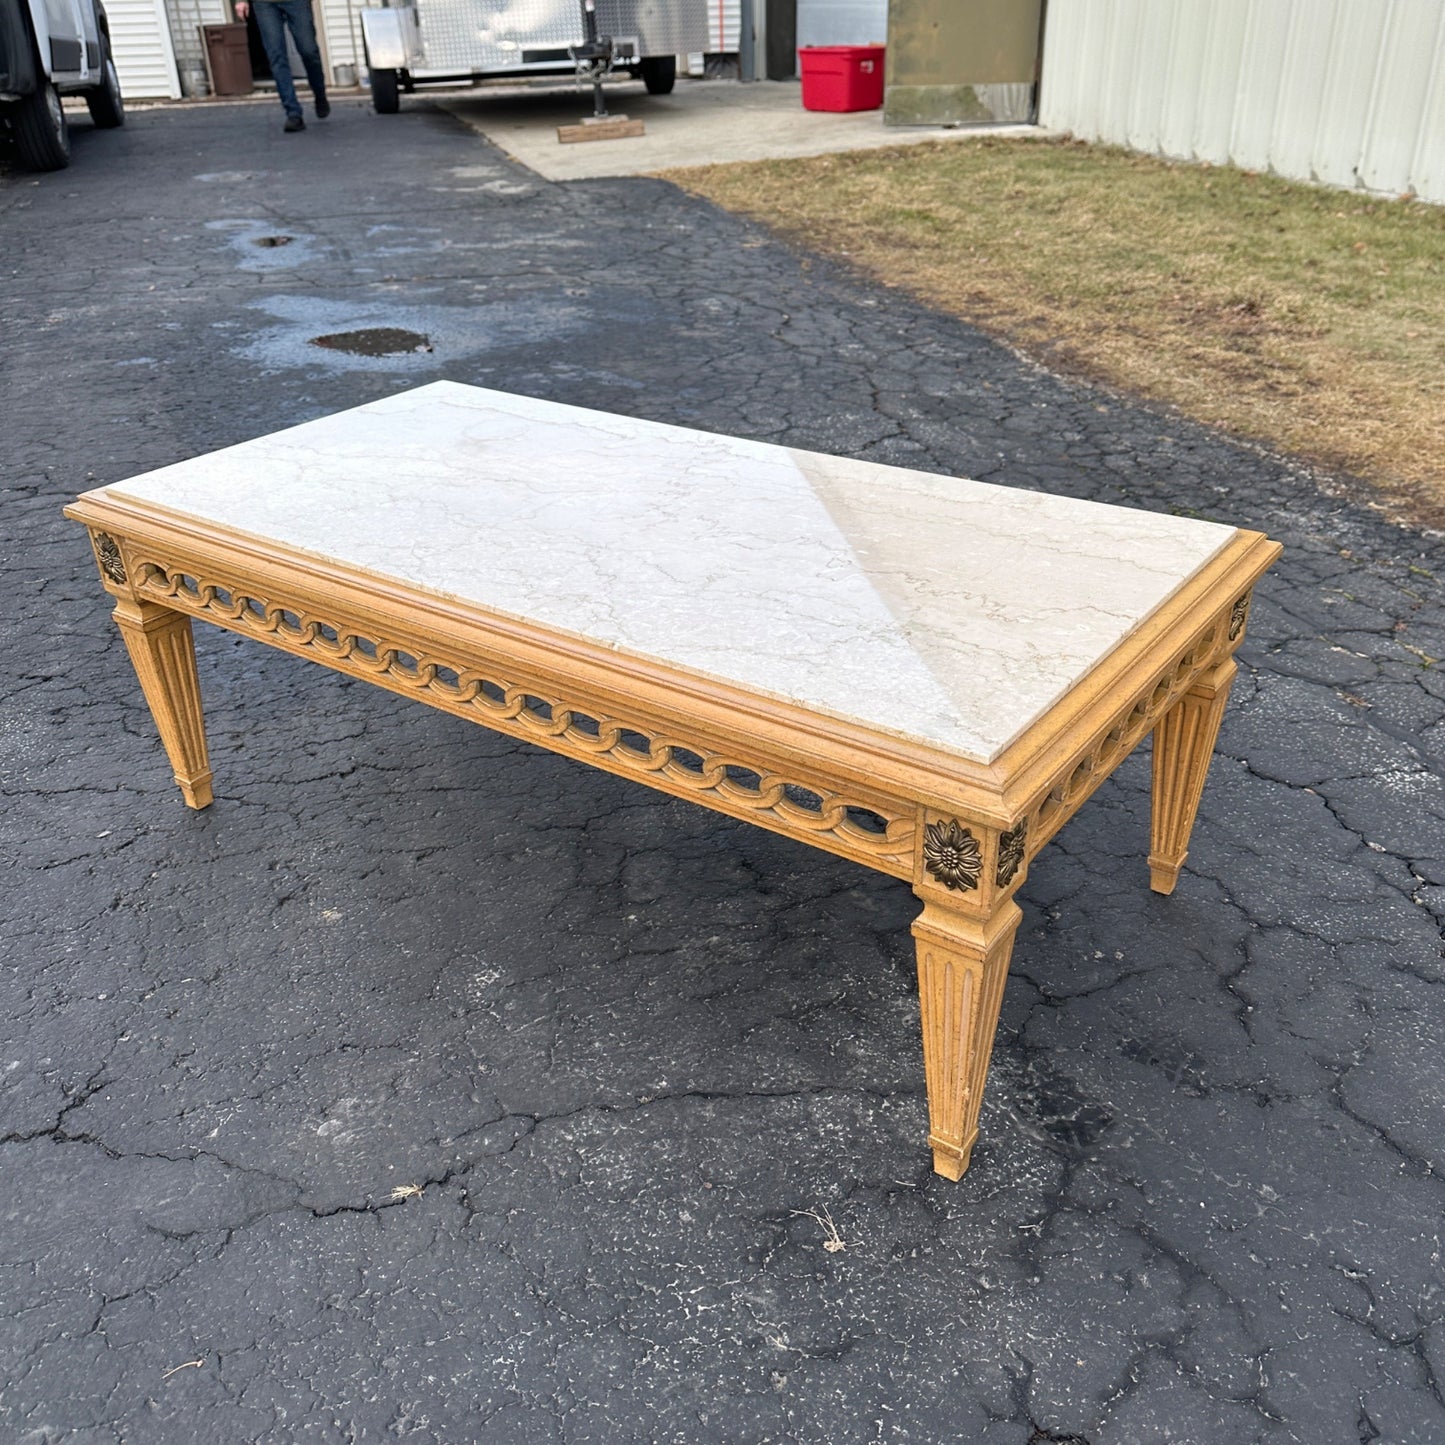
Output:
x=842 y=22
x=186 y=19
x=1348 y=92
x=342 y=29
x=141 y=44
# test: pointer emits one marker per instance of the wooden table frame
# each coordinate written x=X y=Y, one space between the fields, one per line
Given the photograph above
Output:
x=960 y=832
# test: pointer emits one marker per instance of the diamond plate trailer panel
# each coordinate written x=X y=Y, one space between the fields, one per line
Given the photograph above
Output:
x=478 y=36
x=662 y=27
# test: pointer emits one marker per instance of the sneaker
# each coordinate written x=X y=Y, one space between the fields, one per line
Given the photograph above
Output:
x=294 y=122
x=323 y=107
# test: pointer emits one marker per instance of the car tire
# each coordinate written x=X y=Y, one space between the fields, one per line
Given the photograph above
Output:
x=659 y=73
x=107 y=109
x=41 y=136
x=385 y=92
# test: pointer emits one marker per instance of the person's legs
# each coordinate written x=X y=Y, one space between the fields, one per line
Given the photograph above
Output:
x=303 y=26
x=272 y=25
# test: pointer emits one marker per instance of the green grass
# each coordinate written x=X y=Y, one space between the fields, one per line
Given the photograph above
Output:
x=1307 y=319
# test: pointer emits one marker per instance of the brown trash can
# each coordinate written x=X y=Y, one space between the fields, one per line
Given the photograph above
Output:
x=228 y=58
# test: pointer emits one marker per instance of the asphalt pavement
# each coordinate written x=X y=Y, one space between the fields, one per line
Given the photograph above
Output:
x=431 y=1087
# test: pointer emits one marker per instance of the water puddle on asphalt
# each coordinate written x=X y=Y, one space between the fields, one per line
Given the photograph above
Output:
x=403 y=337
x=375 y=341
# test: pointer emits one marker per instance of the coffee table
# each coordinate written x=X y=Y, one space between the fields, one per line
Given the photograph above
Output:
x=925 y=675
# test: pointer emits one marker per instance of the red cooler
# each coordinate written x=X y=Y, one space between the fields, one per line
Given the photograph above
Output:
x=842 y=77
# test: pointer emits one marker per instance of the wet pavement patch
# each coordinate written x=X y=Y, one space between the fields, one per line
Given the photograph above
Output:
x=258 y=246
x=308 y=331
x=374 y=341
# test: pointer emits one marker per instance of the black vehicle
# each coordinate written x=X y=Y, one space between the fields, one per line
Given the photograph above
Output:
x=50 y=48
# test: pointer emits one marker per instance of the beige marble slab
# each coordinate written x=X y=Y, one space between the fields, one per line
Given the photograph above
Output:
x=951 y=612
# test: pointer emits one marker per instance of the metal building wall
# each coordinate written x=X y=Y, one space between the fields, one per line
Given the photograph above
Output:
x=842 y=22
x=1348 y=92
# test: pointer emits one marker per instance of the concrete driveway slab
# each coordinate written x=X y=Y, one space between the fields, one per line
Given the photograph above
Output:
x=703 y=122
x=431 y=1088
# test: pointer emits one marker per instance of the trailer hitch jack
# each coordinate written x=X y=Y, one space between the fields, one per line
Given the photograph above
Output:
x=593 y=58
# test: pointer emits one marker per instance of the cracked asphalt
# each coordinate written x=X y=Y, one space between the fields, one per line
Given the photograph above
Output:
x=432 y=1087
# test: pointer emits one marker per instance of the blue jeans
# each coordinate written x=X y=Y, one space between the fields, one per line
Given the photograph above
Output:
x=272 y=18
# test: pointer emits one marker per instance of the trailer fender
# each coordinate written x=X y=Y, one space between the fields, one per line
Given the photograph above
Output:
x=385 y=34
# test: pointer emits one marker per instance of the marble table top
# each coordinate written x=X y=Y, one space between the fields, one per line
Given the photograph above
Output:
x=950 y=612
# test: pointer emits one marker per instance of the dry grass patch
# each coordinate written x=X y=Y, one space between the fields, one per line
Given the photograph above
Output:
x=1310 y=320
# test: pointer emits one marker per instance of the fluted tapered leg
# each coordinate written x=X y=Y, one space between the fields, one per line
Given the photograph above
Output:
x=962 y=968
x=1183 y=746
x=160 y=647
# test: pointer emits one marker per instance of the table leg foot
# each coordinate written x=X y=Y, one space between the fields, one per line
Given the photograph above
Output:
x=1183 y=746
x=163 y=654
x=962 y=967
x=1163 y=876
x=198 y=794
x=950 y=1162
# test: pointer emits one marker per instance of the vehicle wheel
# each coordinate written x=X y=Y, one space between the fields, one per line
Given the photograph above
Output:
x=659 y=73
x=107 y=109
x=41 y=135
x=385 y=95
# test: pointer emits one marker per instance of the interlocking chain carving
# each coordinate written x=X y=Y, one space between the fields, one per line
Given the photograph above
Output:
x=1135 y=718
x=807 y=809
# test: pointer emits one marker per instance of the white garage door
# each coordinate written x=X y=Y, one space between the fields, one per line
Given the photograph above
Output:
x=842 y=22
x=724 y=23
x=141 y=43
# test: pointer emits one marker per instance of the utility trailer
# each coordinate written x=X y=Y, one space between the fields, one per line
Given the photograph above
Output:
x=421 y=42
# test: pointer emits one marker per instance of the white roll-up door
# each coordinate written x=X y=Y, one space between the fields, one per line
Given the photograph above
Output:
x=724 y=24
x=140 y=40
